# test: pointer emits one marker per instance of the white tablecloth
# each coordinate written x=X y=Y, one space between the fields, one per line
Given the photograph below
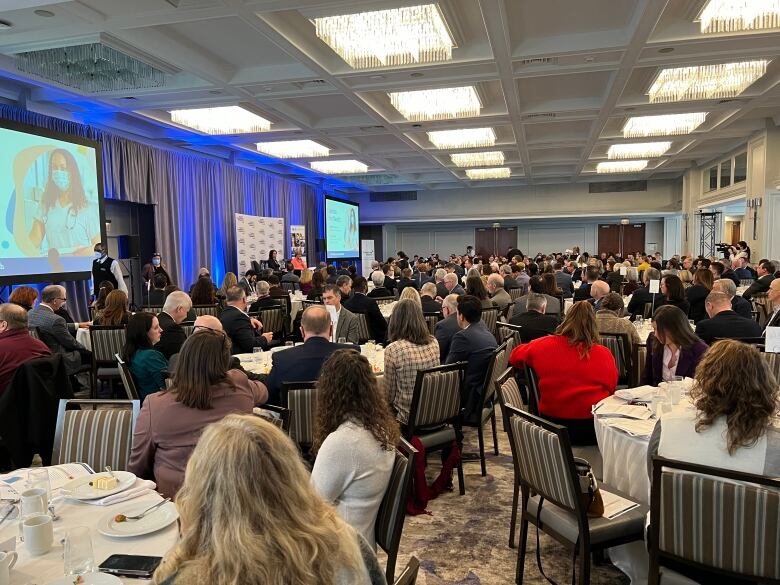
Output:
x=46 y=568
x=82 y=336
x=260 y=363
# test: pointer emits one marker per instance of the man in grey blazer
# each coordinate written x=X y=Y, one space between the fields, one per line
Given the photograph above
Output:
x=447 y=327
x=345 y=323
x=53 y=330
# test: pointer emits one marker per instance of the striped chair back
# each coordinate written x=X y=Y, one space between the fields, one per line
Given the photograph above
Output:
x=188 y=328
x=498 y=364
x=384 y=300
x=763 y=305
x=533 y=389
x=509 y=394
x=515 y=293
x=276 y=415
x=272 y=319
x=409 y=575
x=107 y=341
x=745 y=281
x=33 y=331
x=98 y=437
x=543 y=457
x=156 y=309
x=289 y=286
x=206 y=310
x=647 y=312
x=508 y=331
x=127 y=379
x=716 y=519
x=301 y=399
x=436 y=396
x=490 y=318
x=307 y=303
x=620 y=347
x=392 y=509
x=431 y=319
x=773 y=361
x=363 y=333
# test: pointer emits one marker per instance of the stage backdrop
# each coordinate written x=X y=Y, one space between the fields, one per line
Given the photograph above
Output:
x=255 y=237
x=298 y=241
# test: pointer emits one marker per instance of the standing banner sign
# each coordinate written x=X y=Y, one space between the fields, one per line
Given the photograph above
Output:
x=255 y=237
x=298 y=241
x=366 y=256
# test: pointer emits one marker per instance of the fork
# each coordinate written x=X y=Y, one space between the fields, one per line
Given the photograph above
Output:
x=145 y=512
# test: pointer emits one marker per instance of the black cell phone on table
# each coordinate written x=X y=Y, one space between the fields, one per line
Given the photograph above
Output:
x=137 y=566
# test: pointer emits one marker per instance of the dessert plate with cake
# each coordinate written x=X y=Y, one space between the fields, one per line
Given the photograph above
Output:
x=98 y=485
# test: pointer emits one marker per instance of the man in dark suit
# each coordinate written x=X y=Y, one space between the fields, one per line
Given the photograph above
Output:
x=563 y=279
x=451 y=284
x=174 y=312
x=406 y=280
x=264 y=299
x=591 y=275
x=378 y=278
x=766 y=274
x=447 y=328
x=303 y=362
x=428 y=298
x=248 y=282
x=344 y=283
x=156 y=296
x=774 y=296
x=390 y=283
x=739 y=305
x=360 y=303
x=723 y=322
x=344 y=270
x=441 y=290
x=243 y=330
x=642 y=295
x=332 y=276
x=533 y=321
x=474 y=343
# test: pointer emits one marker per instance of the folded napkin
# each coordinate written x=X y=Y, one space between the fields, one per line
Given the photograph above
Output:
x=141 y=487
x=644 y=393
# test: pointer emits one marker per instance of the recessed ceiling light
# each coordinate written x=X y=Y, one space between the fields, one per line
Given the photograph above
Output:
x=222 y=120
x=5 y=24
x=720 y=16
x=666 y=49
x=639 y=150
x=44 y=13
x=664 y=125
x=388 y=38
x=464 y=138
x=339 y=167
x=705 y=82
x=477 y=159
x=627 y=166
x=437 y=104
x=482 y=174
x=294 y=149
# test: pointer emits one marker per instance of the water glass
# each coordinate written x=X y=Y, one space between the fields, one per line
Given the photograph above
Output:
x=39 y=478
x=79 y=558
x=342 y=340
x=289 y=343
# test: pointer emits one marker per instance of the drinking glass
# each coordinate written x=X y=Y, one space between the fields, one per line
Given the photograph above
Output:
x=342 y=340
x=289 y=343
x=79 y=558
x=39 y=478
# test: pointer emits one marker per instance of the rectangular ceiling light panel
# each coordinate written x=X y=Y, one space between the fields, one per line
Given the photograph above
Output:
x=294 y=149
x=664 y=125
x=464 y=138
x=482 y=174
x=727 y=16
x=622 y=166
x=705 y=82
x=224 y=120
x=437 y=104
x=639 y=150
x=339 y=167
x=477 y=159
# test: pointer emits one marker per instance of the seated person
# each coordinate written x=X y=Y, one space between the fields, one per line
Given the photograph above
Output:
x=177 y=306
x=723 y=322
x=536 y=285
x=355 y=435
x=734 y=422
x=290 y=275
x=498 y=295
x=574 y=372
x=115 y=311
x=331 y=275
x=643 y=296
x=25 y=297
x=378 y=278
x=250 y=514
x=598 y=290
x=765 y=271
x=534 y=322
x=591 y=275
x=739 y=305
x=317 y=287
x=344 y=283
x=305 y=284
x=428 y=298
x=264 y=299
x=146 y=364
x=248 y=282
x=474 y=343
x=243 y=330
x=204 y=390
x=156 y=295
x=451 y=284
x=411 y=348
x=673 y=293
x=17 y=346
x=476 y=288
x=406 y=280
x=203 y=292
x=673 y=349
x=609 y=318
x=448 y=326
x=697 y=293
x=361 y=303
x=345 y=324
x=303 y=362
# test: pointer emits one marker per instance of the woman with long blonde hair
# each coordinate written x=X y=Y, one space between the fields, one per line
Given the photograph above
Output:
x=409 y=292
x=228 y=281
x=574 y=372
x=250 y=516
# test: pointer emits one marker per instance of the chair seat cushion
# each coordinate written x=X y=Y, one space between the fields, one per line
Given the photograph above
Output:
x=441 y=436
x=601 y=529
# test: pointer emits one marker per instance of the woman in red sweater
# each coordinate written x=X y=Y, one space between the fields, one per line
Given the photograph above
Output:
x=574 y=372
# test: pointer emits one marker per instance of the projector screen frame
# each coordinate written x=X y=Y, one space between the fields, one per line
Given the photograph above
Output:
x=327 y=250
x=94 y=144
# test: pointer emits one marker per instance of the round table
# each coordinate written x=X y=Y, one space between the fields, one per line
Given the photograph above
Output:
x=260 y=362
x=82 y=336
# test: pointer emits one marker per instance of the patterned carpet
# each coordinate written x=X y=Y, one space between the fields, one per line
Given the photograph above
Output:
x=464 y=539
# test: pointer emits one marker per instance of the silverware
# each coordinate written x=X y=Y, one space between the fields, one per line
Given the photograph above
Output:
x=111 y=473
x=145 y=512
x=53 y=514
x=7 y=514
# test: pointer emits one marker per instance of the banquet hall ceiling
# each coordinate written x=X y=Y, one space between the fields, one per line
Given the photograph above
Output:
x=557 y=81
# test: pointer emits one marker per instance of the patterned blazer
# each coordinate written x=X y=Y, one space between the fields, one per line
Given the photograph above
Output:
x=53 y=331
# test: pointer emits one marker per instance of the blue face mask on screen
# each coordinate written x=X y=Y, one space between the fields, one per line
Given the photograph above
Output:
x=61 y=179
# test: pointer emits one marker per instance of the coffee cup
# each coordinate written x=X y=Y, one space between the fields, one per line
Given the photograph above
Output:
x=38 y=534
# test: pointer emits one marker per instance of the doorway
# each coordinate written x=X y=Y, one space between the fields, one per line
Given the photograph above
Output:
x=621 y=239
x=494 y=241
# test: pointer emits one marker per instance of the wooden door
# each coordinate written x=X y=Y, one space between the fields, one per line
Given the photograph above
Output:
x=484 y=241
x=609 y=238
x=736 y=232
x=633 y=238
x=494 y=241
x=506 y=238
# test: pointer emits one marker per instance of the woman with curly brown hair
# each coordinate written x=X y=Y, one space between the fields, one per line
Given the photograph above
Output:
x=354 y=437
x=733 y=422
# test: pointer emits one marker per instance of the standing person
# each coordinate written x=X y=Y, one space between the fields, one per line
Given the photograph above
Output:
x=673 y=349
x=146 y=364
x=355 y=435
x=155 y=266
x=106 y=269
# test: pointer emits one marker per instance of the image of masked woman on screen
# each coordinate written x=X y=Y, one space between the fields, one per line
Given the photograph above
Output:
x=65 y=222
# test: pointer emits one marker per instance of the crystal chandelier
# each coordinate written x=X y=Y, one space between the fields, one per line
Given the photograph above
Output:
x=705 y=82
x=477 y=159
x=723 y=16
x=388 y=38
x=640 y=150
x=627 y=166
x=437 y=104
x=339 y=167
x=224 y=120
x=664 y=125
x=494 y=173
x=465 y=138
x=293 y=149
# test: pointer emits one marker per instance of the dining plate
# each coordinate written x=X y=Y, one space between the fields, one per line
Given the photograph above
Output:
x=79 y=489
x=88 y=579
x=152 y=522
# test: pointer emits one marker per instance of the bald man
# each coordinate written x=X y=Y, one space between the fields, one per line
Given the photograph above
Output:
x=208 y=322
x=724 y=323
x=17 y=346
x=303 y=362
x=598 y=290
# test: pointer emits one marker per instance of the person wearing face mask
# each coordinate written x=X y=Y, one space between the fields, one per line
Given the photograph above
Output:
x=153 y=268
x=65 y=221
x=106 y=269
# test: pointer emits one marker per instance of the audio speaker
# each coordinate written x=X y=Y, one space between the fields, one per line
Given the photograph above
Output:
x=128 y=246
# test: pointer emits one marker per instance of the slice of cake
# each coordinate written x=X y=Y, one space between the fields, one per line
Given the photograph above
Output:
x=104 y=482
